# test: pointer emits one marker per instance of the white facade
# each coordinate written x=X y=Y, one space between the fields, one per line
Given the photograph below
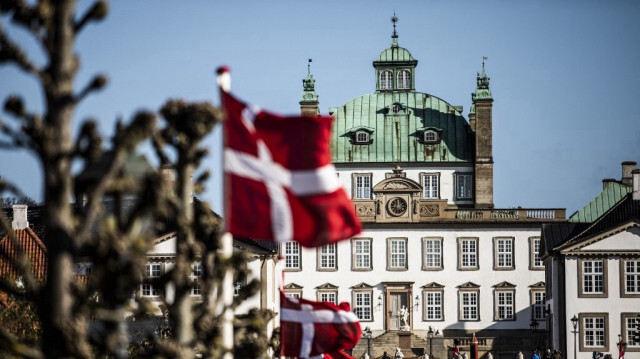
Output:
x=602 y=289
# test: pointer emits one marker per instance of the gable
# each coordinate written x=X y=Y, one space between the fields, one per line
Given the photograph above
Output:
x=625 y=240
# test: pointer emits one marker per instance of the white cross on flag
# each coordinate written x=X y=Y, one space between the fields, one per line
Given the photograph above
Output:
x=310 y=329
x=282 y=184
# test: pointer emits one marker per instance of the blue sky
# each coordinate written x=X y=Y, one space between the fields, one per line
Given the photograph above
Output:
x=565 y=76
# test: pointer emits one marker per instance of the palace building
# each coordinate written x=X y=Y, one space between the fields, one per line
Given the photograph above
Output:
x=436 y=261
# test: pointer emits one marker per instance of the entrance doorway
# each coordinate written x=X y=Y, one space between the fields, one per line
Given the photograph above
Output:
x=397 y=300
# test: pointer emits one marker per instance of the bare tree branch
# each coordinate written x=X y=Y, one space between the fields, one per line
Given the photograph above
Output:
x=97 y=12
x=98 y=82
x=12 y=53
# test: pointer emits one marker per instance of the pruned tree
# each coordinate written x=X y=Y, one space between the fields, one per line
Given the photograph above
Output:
x=85 y=320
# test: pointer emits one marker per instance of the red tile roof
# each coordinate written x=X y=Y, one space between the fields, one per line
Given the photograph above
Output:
x=31 y=246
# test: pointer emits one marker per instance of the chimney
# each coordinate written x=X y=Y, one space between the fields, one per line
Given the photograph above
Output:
x=627 y=167
x=636 y=184
x=606 y=182
x=19 y=217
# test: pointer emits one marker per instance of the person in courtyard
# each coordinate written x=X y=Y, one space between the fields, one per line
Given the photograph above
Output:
x=534 y=354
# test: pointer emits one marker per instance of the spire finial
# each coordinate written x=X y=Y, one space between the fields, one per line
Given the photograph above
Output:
x=484 y=58
x=308 y=86
x=309 y=67
x=394 y=20
x=482 y=88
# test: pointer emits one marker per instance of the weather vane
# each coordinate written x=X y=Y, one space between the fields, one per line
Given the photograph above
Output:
x=394 y=19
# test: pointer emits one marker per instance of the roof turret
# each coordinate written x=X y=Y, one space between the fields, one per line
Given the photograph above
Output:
x=308 y=87
x=482 y=87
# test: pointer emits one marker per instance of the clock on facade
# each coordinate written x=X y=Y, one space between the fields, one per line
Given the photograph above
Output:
x=397 y=206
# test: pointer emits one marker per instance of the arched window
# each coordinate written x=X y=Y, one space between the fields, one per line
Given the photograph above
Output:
x=386 y=80
x=404 y=79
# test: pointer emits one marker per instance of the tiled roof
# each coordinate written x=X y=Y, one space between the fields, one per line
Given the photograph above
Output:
x=34 y=216
x=601 y=203
x=31 y=245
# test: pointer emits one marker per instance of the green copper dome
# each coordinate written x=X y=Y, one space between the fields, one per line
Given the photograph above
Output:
x=393 y=127
x=396 y=123
x=395 y=54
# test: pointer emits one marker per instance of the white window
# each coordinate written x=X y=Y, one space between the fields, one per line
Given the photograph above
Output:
x=397 y=253
x=330 y=297
x=362 y=137
x=291 y=255
x=433 y=305
x=327 y=257
x=361 y=254
x=468 y=253
x=503 y=253
x=297 y=295
x=632 y=322
x=464 y=186
x=536 y=261
x=468 y=305
x=196 y=275
x=404 y=79
x=386 y=80
x=538 y=297
x=151 y=270
x=362 y=305
x=594 y=332
x=433 y=253
x=431 y=186
x=632 y=276
x=362 y=186
x=430 y=136
x=504 y=305
x=593 y=276
x=148 y=290
x=236 y=288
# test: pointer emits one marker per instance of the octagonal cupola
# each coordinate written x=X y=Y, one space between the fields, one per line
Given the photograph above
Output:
x=395 y=66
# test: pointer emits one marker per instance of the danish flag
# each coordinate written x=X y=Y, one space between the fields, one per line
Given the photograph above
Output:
x=316 y=329
x=283 y=186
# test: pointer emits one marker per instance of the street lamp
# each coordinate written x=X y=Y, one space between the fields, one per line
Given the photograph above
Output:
x=367 y=334
x=430 y=335
x=534 y=327
x=574 y=322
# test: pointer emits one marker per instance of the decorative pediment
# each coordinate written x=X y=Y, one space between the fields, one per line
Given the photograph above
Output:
x=504 y=285
x=539 y=285
x=397 y=184
x=164 y=238
x=327 y=286
x=292 y=286
x=621 y=239
x=362 y=285
x=432 y=285
x=468 y=285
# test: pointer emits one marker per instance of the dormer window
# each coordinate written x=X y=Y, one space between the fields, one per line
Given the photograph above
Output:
x=404 y=80
x=386 y=80
x=362 y=138
x=430 y=136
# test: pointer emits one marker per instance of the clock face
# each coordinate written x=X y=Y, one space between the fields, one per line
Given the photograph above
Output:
x=397 y=206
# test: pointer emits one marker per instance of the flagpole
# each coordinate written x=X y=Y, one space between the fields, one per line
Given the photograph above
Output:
x=226 y=245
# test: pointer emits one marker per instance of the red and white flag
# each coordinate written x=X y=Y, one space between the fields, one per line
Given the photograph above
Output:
x=283 y=186
x=310 y=329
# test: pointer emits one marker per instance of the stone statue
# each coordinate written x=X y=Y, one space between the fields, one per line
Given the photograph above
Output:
x=398 y=354
x=404 y=318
